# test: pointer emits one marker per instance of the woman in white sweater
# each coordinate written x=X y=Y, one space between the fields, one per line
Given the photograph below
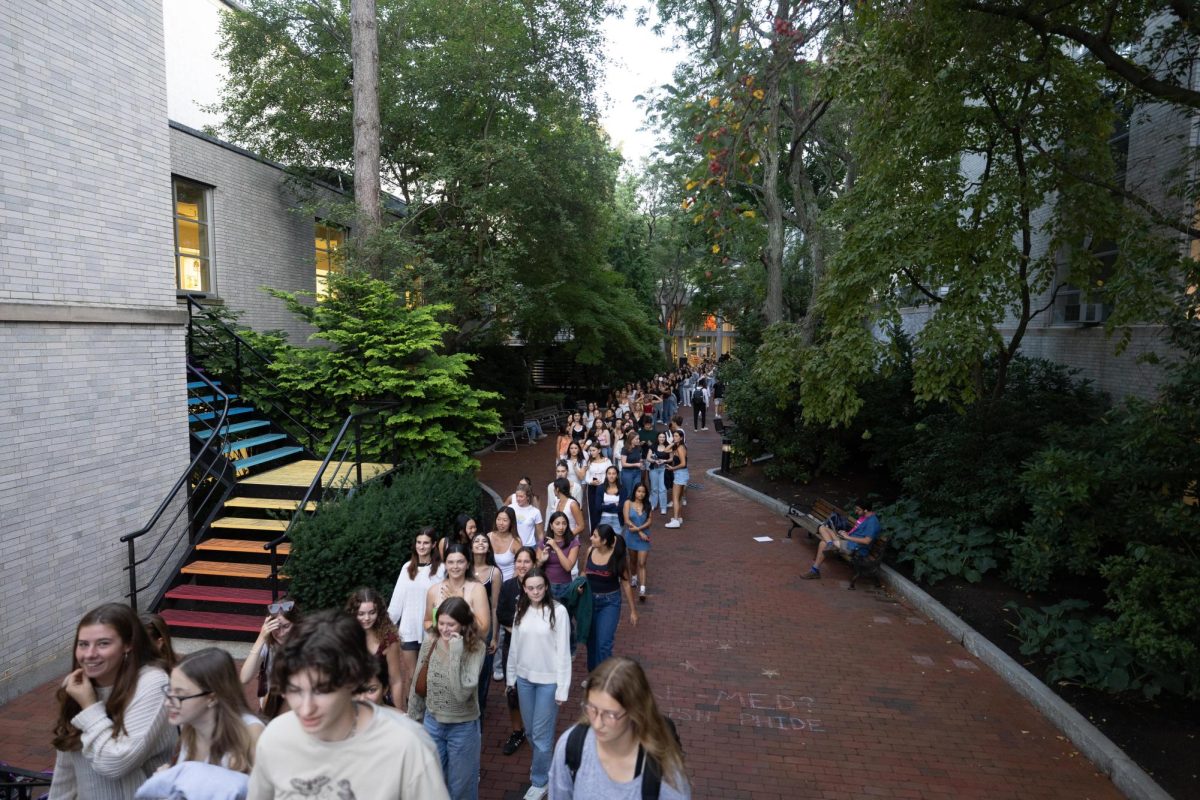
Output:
x=112 y=730
x=540 y=667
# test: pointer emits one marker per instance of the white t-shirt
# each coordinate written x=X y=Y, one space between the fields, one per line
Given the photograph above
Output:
x=528 y=518
x=596 y=470
x=391 y=757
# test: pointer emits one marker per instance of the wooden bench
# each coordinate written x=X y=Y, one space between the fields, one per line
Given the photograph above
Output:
x=505 y=440
x=862 y=564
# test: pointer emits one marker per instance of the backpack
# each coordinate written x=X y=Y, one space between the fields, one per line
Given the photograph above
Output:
x=651 y=773
x=697 y=395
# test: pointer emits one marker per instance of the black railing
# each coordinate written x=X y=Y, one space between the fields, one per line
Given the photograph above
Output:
x=192 y=502
x=346 y=453
x=22 y=784
x=222 y=350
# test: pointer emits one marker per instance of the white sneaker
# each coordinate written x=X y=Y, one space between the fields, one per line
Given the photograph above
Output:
x=664 y=512
x=674 y=523
x=535 y=793
x=633 y=582
x=685 y=501
x=498 y=674
x=704 y=428
x=642 y=591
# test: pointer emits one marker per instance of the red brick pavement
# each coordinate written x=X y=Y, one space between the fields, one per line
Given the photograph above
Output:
x=780 y=688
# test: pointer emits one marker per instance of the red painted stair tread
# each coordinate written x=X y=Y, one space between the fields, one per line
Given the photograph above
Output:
x=221 y=594
x=212 y=620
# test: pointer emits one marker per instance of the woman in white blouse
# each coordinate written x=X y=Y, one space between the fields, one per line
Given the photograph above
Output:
x=407 y=608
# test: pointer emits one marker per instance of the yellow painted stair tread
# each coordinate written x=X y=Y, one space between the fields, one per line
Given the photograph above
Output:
x=229 y=570
x=241 y=546
x=252 y=524
x=268 y=503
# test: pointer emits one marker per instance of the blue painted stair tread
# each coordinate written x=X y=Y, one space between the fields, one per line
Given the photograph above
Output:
x=201 y=385
x=267 y=457
x=246 y=444
x=208 y=400
x=235 y=428
x=207 y=415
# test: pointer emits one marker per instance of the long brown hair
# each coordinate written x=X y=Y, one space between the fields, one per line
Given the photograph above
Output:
x=383 y=623
x=213 y=671
x=160 y=638
x=624 y=681
x=459 y=610
x=141 y=653
x=435 y=557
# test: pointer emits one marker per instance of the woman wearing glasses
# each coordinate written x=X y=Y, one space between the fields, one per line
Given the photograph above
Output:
x=206 y=702
x=112 y=729
x=282 y=615
x=622 y=741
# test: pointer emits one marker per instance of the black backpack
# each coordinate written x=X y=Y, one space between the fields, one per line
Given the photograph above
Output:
x=652 y=777
x=698 y=395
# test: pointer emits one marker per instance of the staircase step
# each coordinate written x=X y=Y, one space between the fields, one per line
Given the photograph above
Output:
x=208 y=400
x=207 y=415
x=201 y=385
x=241 y=546
x=212 y=620
x=220 y=594
x=246 y=444
x=251 y=524
x=236 y=428
x=267 y=457
x=268 y=504
x=226 y=569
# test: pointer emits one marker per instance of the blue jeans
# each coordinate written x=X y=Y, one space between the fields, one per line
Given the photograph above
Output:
x=534 y=428
x=458 y=748
x=669 y=407
x=629 y=479
x=540 y=713
x=606 y=613
x=658 y=488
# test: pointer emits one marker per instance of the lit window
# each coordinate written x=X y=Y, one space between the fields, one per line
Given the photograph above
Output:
x=193 y=253
x=329 y=240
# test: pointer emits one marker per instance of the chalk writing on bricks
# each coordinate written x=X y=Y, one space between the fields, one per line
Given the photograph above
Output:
x=769 y=710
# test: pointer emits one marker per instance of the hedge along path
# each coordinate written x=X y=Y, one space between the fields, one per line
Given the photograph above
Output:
x=783 y=688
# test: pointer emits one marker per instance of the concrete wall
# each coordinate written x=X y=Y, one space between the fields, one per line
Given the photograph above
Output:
x=260 y=239
x=92 y=411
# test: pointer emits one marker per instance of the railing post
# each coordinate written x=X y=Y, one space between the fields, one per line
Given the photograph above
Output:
x=274 y=574
x=237 y=362
x=132 y=576
x=358 y=448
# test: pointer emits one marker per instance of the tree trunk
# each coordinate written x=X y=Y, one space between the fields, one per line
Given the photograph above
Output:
x=772 y=206
x=364 y=53
x=808 y=213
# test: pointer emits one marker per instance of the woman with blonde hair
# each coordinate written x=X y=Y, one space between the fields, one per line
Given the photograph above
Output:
x=383 y=640
x=206 y=702
x=112 y=729
x=623 y=745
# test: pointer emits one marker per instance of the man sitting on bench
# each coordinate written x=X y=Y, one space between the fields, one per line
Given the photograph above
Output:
x=852 y=542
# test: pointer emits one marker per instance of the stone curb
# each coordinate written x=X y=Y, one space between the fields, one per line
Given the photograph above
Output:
x=1110 y=759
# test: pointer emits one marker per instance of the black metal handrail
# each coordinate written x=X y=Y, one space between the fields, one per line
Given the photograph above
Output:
x=316 y=489
x=263 y=380
x=22 y=784
x=195 y=492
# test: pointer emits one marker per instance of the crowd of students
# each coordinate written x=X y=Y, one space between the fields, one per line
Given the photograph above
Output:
x=384 y=699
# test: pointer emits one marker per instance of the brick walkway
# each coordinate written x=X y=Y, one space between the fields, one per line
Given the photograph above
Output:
x=780 y=688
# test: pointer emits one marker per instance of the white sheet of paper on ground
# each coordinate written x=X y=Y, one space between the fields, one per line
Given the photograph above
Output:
x=763 y=539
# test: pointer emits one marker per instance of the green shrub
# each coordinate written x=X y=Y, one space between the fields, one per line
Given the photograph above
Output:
x=1077 y=654
x=365 y=539
x=936 y=547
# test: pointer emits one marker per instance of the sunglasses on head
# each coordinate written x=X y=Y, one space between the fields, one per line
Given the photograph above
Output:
x=281 y=607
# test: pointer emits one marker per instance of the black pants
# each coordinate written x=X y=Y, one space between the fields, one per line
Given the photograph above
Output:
x=698 y=420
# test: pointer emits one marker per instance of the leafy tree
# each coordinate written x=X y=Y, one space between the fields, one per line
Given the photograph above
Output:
x=489 y=136
x=384 y=352
x=963 y=125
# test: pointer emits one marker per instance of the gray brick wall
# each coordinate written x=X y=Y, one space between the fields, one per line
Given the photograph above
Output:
x=92 y=416
x=84 y=163
x=260 y=236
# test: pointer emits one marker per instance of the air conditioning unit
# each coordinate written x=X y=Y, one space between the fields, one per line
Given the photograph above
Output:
x=1085 y=312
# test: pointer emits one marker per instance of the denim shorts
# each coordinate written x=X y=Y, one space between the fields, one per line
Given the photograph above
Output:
x=413 y=646
x=681 y=477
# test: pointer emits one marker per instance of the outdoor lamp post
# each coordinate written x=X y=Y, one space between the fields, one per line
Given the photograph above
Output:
x=726 y=449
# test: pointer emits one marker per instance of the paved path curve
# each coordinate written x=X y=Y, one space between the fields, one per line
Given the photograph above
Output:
x=785 y=689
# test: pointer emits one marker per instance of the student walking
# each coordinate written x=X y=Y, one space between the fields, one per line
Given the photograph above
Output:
x=511 y=592
x=700 y=405
x=608 y=577
x=540 y=668
x=206 y=703
x=638 y=518
x=678 y=466
x=260 y=661
x=407 y=609
x=383 y=640
x=447 y=700
x=622 y=747
x=112 y=730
